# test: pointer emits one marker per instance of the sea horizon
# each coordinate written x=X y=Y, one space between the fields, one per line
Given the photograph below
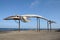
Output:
x=15 y=29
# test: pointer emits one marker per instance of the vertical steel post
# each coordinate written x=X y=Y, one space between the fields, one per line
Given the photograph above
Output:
x=50 y=27
x=47 y=26
x=19 y=25
x=37 y=24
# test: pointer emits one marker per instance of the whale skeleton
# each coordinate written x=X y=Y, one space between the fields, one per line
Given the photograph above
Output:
x=25 y=18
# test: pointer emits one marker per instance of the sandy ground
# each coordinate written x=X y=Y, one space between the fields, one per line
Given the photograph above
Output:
x=30 y=35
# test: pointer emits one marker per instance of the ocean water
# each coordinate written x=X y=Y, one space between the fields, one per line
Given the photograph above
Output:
x=15 y=29
x=7 y=29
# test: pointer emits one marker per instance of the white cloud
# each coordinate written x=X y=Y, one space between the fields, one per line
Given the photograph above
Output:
x=34 y=4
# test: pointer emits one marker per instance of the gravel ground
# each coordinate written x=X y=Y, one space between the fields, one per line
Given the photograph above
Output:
x=30 y=35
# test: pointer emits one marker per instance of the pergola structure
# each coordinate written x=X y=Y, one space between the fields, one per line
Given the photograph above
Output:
x=24 y=18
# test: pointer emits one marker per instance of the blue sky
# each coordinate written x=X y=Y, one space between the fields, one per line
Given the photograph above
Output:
x=47 y=8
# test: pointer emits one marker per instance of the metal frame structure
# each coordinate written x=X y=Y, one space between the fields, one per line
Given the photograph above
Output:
x=38 y=24
x=19 y=25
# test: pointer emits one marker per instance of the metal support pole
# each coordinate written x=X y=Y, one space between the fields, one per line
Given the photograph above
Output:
x=37 y=24
x=19 y=25
x=50 y=27
x=47 y=26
